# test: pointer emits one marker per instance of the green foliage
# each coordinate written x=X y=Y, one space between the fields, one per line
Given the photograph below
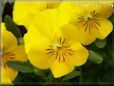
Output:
x=100 y=43
x=71 y=75
x=95 y=57
x=23 y=67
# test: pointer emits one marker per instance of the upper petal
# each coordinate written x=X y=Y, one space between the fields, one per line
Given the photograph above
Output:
x=104 y=8
x=35 y=46
x=46 y=23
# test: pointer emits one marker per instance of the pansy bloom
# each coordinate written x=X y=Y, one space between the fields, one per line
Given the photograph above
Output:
x=49 y=47
x=11 y=51
x=91 y=21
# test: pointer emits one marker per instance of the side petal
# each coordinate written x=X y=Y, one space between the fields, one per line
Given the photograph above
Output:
x=39 y=59
x=11 y=71
x=105 y=29
x=9 y=41
x=35 y=46
x=87 y=37
x=4 y=77
x=79 y=56
x=60 y=69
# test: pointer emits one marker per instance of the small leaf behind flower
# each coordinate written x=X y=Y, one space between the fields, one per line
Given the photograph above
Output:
x=71 y=75
x=100 y=43
x=95 y=57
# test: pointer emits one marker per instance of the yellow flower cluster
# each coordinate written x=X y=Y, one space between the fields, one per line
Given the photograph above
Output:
x=56 y=31
x=11 y=51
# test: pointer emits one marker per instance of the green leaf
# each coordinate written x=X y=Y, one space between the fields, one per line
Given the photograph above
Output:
x=100 y=43
x=95 y=57
x=71 y=75
x=24 y=67
x=11 y=26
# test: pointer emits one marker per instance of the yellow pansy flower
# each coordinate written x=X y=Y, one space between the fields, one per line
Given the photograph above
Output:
x=11 y=51
x=48 y=46
x=25 y=10
x=91 y=20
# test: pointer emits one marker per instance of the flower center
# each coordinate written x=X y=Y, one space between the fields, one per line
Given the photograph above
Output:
x=90 y=21
x=7 y=56
x=61 y=50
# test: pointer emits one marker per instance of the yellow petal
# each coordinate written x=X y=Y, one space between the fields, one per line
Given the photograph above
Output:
x=79 y=56
x=46 y=18
x=66 y=11
x=60 y=69
x=87 y=37
x=8 y=39
x=105 y=28
x=32 y=33
x=45 y=28
x=63 y=18
x=35 y=46
x=6 y=75
x=19 y=53
x=39 y=59
x=11 y=71
x=24 y=10
x=70 y=32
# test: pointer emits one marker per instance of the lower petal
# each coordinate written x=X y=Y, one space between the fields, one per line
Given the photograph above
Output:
x=60 y=69
x=87 y=37
x=4 y=77
x=8 y=75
